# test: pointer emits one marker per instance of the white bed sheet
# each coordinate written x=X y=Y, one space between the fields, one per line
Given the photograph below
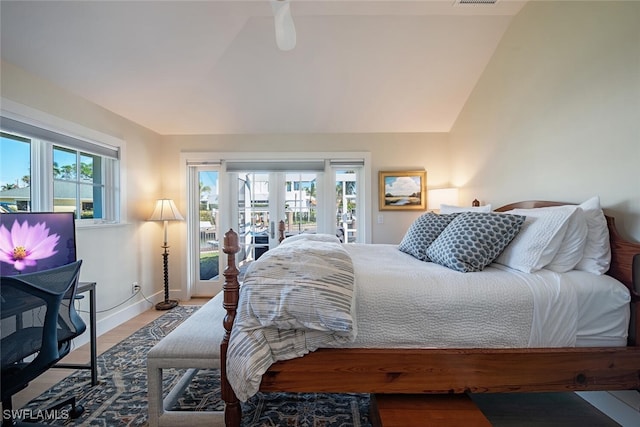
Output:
x=496 y=308
x=603 y=310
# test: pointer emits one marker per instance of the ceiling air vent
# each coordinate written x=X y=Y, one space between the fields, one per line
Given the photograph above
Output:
x=474 y=2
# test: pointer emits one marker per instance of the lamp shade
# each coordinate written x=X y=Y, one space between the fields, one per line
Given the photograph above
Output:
x=165 y=210
x=442 y=196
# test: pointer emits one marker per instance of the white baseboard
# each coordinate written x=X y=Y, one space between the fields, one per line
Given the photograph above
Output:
x=621 y=406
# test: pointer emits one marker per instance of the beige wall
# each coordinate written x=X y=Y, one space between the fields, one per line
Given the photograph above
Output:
x=388 y=152
x=113 y=256
x=556 y=114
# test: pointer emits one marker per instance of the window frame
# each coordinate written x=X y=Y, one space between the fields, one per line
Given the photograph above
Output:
x=89 y=142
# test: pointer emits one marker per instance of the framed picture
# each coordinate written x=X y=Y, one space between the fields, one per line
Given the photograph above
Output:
x=401 y=191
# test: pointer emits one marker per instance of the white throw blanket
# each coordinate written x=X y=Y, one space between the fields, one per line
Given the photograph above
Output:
x=294 y=299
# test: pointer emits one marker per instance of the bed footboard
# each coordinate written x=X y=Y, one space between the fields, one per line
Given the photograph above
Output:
x=231 y=289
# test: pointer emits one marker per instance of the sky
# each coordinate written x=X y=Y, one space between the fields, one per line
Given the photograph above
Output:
x=14 y=161
x=210 y=179
x=402 y=186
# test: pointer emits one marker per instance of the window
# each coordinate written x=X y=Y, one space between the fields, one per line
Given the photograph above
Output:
x=15 y=173
x=44 y=170
x=77 y=183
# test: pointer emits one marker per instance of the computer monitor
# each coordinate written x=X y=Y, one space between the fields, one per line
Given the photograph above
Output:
x=34 y=241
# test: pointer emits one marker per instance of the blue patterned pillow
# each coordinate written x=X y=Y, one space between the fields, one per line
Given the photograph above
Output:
x=473 y=240
x=423 y=232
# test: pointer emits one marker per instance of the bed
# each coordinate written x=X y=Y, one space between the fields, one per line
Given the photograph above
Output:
x=582 y=362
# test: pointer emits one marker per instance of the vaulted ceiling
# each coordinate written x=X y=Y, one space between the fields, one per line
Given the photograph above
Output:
x=208 y=67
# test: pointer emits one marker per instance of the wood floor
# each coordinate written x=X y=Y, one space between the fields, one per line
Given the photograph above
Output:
x=81 y=354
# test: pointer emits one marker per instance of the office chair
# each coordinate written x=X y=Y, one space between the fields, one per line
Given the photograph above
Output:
x=39 y=321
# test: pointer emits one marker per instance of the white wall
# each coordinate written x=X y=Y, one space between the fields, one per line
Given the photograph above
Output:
x=556 y=116
x=556 y=113
x=113 y=256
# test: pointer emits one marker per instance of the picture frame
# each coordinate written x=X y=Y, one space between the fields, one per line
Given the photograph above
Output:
x=402 y=190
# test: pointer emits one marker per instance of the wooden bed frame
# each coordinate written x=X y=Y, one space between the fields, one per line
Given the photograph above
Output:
x=440 y=371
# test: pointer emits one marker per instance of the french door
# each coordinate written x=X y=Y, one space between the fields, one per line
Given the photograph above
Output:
x=205 y=241
x=264 y=200
x=252 y=197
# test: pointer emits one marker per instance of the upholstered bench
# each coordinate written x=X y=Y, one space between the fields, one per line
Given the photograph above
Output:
x=193 y=345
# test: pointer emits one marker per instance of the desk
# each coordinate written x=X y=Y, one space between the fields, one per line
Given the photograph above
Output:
x=92 y=365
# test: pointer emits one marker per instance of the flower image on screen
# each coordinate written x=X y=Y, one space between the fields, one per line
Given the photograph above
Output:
x=36 y=241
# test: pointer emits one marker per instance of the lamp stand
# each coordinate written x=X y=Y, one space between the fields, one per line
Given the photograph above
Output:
x=167 y=304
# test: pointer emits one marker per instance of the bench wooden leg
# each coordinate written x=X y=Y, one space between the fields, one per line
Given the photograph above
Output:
x=420 y=410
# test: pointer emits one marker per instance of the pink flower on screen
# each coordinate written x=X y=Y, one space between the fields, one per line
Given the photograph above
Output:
x=24 y=245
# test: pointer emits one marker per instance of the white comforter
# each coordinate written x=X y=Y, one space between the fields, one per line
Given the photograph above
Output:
x=423 y=304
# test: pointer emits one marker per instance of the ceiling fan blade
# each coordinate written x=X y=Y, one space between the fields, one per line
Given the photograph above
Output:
x=285 y=30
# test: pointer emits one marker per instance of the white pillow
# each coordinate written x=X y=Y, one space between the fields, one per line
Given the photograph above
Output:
x=539 y=239
x=449 y=209
x=597 y=251
x=572 y=247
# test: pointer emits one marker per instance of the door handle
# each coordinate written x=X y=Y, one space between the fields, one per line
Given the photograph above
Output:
x=273 y=230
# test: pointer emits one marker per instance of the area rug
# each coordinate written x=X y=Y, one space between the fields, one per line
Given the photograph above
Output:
x=121 y=397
